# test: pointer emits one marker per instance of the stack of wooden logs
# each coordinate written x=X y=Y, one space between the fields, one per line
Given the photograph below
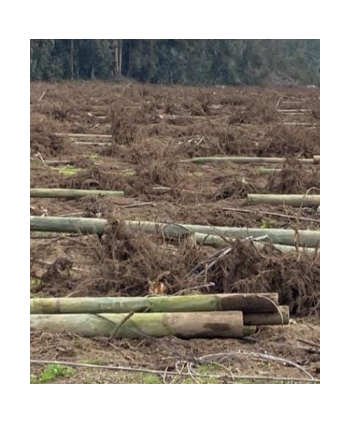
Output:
x=193 y=316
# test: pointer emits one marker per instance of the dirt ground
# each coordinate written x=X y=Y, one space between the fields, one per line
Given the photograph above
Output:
x=152 y=130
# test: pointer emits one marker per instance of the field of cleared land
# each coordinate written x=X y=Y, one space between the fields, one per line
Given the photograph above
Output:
x=180 y=155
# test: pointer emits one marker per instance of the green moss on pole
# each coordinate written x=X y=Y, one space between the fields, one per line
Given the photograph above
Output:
x=227 y=324
x=249 y=303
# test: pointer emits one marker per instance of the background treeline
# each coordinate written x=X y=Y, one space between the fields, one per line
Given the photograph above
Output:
x=259 y=62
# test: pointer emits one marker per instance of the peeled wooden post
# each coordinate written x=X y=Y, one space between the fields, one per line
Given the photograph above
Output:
x=248 y=303
x=242 y=159
x=308 y=238
x=92 y=143
x=280 y=317
x=95 y=225
x=158 y=324
x=217 y=241
x=72 y=135
x=68 y=225
x=285 y=199
x=71 y=194
x=57 y=162
x=269 y=171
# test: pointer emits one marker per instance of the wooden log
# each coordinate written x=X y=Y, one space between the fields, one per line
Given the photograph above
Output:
x=243 y=159
x=94 y=225
x=248 y=303
x=92 y=143
x=269 y=171
x=57 y=162
x=317 y=159
x=280 y=317
x=218 y=242
x=285 y=199
x=70 y=193
x=54 y=162
x=308 y=238
x=72 y=135
x=249 y=330
x=227 y=324
x=68 y=225
x=294 y=111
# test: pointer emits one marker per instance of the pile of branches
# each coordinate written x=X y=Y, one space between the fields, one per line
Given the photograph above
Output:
x=294 y=179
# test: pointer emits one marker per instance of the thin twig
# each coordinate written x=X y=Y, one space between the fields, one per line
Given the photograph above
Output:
x=260 y=356
x=42 y=96
x=309 y=343
x=275 y=305
x=138 y=205
x=281 y=215
x=120 y=324
x=41 y=158
x=211 y=284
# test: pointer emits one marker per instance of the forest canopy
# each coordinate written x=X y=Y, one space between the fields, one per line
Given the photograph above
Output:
x=236 y=62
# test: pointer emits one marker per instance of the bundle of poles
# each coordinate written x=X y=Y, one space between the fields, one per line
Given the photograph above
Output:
x=193 y=316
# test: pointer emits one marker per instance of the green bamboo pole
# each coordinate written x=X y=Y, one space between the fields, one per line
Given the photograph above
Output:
x=71 y=194
x=285 y=199
x=242 y=159
x=98 y=226
x=248 y=303
x=280 y=317
x=227 y=324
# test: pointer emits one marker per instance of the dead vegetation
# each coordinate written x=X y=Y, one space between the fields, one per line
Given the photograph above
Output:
x=294 y=179
x=153 y=129
x=130 y=263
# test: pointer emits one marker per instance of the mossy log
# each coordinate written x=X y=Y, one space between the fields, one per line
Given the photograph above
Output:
x=227 y=324
x=243 y=159
x=98 y=226
x=280 y=317
x=285 y=199
x=248 y=303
